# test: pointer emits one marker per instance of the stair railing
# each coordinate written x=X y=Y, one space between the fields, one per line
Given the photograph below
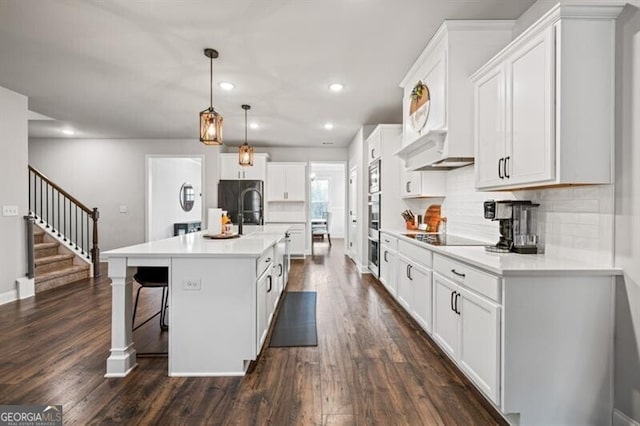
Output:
x=63 y=214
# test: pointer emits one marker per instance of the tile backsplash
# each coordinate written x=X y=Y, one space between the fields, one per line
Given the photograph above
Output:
x=574 y=222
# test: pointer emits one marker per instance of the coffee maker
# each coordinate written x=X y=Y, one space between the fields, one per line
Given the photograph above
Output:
x=518 y=225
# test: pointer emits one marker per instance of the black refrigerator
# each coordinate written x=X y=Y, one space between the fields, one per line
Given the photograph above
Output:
x=229 y=198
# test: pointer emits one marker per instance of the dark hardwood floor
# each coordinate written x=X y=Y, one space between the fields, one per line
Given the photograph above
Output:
x=372 y=365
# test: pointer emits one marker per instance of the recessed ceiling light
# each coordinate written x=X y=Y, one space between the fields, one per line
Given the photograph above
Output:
x=68 y=132
x=254 y=126
x=225 y=85
x=336 y=87
x=328 y=126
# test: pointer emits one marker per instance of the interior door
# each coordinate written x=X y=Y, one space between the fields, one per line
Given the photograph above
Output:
x=353 y=213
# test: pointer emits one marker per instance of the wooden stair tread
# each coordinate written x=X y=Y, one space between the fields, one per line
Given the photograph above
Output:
x=46 y=245
x=62 y=272
x=37 y=231
x=54 y=258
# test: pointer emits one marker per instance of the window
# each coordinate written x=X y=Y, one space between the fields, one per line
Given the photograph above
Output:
x=319 y=198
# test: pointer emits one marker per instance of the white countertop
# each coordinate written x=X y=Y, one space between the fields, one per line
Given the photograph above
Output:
x=251 y=244
x=513 y=264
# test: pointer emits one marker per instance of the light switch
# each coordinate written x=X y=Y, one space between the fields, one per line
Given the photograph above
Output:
x=9 y=210
x=123 y=209
x=192 y=284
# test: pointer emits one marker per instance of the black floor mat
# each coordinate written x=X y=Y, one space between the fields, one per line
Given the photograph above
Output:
x=296 y=322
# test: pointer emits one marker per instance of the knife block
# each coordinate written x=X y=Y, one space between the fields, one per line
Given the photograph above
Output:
x=411 y=226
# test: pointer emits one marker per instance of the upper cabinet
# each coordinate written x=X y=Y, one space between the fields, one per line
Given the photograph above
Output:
x=544 y=105
x=286 y=182
x=373 y=145
x=438 y=95
x=230 y=168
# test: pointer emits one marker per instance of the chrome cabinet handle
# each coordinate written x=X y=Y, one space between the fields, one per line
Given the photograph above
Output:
x=456 y=310
x=409 y=267
x=453 y=295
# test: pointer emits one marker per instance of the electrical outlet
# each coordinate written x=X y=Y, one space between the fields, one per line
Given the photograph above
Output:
x=9 y=210
x=123 y=209
x=194 y=284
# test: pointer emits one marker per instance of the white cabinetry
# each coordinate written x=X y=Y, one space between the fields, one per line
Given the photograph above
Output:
x=536 y=123
x=423 y=184
x=286 y=182
x=456 y=50
x=389 y=263
x=467 y=324
x=374 y=146
x=230 y=169
x=414 y=282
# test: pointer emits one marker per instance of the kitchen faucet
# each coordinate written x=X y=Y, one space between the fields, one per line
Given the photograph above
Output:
x=241 y=210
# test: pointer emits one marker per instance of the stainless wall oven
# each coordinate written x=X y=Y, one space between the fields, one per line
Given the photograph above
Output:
x=374 y=177
x=374 y=253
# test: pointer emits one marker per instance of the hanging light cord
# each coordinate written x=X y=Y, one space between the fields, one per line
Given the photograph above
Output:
x=245 y=126
x=211 y=82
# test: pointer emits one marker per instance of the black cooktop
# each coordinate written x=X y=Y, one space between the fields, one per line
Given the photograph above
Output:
x=445 y=240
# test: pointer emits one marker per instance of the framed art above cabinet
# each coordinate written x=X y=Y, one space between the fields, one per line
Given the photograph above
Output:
x=543 y=107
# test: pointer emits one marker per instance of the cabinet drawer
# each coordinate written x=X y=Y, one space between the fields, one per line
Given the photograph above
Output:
x=420 y=255
x=486 y=284
x=265 y=261
x=389 y=241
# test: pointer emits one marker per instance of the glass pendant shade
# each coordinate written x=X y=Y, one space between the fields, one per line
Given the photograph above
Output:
x=210 y=127
x=210 y=120
x=246 y=155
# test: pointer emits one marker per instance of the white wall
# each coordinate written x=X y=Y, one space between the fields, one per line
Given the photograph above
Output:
x=13 y=190
x=357 y=248
x=108 y=173
x=335 y=174
x=167 y=175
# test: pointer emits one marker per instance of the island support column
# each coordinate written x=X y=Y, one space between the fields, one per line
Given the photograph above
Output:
x=123 y=356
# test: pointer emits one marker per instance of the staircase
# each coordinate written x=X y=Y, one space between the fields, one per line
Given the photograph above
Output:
x=55 y=265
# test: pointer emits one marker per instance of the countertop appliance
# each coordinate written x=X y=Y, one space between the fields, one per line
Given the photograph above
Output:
x=436 y=239
x=518 y=225
x=229 y=195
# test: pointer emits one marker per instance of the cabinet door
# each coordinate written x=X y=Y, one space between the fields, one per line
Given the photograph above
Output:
x=421 y=304
x=388 y=265
x=229 y=167
x=276 y=182
x=445 y=319
x=374 y=146
x=298 y=241
x=405 y=287
x=296 y=182
x=479 y=353
x=411 y=183
x=490 y=131
x=531 y=151
x=261 y=311
x=257 y=171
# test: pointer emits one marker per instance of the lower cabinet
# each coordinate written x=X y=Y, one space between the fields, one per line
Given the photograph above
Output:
x=414 y=290
x=388 y=269
x=467 y=327
x=265 y=282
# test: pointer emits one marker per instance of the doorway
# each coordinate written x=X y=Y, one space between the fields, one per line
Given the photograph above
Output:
x=327 y=188
x=174 y=188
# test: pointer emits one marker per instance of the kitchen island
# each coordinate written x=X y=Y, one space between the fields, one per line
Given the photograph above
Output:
x=222 y=298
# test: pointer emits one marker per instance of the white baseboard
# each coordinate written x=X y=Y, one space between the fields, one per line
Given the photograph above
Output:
x=8 y=296
x=621 y=419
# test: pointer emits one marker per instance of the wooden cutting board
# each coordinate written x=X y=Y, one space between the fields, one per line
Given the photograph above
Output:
x=432 y=217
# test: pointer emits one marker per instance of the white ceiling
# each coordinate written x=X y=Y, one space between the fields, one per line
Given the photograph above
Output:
x=136 y=69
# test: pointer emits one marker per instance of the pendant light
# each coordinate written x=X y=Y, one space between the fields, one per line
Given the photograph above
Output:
x=210 y=120
x=245 y=153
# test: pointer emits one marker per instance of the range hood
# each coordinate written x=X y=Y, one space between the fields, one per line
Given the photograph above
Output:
x=428 y=152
